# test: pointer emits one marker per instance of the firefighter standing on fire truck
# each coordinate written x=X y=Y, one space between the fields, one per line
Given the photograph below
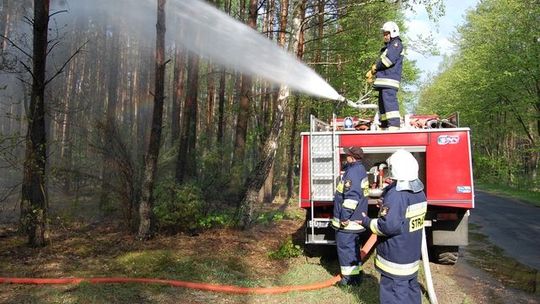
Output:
x=399 y=227
x=349 y=204
x=387 y=72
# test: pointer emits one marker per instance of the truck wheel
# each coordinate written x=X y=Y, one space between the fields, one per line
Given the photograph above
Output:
x=446 y=255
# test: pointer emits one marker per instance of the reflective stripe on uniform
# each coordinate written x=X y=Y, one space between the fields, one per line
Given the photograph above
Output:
x=416 y=209
x=374 y=227
x=365 y=186
x=386 y=82
x=365 y=183
x=350 y=270
x=354 y=226
x=395 y=268
x=385 y=60
x=350 y=203
x=336 y=223
x=339 y=187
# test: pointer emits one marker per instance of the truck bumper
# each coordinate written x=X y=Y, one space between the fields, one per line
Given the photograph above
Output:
x=449 y=232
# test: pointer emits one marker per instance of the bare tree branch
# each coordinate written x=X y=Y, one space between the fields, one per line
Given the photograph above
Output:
x=23 y=81
x=61 y=70
x=58 y=12
x=10 y=191
x=29 y=21
x=16 y=46
x=27 y=68
x=52 y=47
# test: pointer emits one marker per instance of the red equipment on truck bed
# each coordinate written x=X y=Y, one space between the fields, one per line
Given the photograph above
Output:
x=444 y=158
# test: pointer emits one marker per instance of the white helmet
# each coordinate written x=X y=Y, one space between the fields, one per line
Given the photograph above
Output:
x=404 y=169
x=391 y=27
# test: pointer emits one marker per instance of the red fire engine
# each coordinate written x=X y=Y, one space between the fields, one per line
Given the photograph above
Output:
x=442 y=149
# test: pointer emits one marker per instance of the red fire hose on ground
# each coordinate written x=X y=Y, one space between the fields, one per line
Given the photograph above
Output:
x=200 y=286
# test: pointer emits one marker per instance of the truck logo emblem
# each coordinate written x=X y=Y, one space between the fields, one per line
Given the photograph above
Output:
x=464 y=189
x=447 y=140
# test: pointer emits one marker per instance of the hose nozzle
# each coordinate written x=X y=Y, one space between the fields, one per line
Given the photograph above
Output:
x=344 y=99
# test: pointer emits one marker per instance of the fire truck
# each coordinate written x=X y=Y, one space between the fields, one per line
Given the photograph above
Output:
x=443 y=152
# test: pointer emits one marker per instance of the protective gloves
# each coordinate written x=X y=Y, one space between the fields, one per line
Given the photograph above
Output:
x=370 y=75
x=373 y=69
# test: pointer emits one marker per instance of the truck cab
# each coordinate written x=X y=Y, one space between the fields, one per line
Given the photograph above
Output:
x=443 y=152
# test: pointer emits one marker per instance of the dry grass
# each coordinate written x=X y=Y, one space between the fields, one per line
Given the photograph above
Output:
x=220 y=256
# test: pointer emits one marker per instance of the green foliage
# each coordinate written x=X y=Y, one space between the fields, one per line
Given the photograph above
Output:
x=354 y=44
x=216 y=220
x=491 y=168
x=492 y=82
x=287 y=250
x=177 y=207
x=213 y=178
x=272 y=216
x=525 y=195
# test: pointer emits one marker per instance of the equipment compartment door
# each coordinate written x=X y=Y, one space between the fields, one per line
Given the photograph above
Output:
x=448 y=168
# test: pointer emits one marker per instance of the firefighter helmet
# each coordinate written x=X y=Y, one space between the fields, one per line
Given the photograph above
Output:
x=392 y=28
x=404 y=169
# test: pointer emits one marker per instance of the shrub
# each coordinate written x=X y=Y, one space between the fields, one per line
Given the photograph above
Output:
x=216 y=220
x=178 y=207
x=286 y=250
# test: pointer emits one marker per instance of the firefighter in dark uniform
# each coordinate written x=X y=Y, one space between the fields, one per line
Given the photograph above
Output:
x=399 y=227
x=349 y=204
x=387 y=72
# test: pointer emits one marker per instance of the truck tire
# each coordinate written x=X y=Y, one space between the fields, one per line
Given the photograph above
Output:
x=446 y=255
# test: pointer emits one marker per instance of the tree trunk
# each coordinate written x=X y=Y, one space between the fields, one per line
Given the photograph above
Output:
x=283 y=22
x=320 y=30
x=292 y=152
x=269 y=100
x=221 y=108
x=221 y=93
x=178 y=90
x=5 y=24
x=110 y=122
x=299 y=47
x=210 y=101
x=34 y=205
x=185 y=165
x=243 y=111
x=260 y=173
x=242 y=121
x=66 y=154
x=146 y=224
x=266 y=194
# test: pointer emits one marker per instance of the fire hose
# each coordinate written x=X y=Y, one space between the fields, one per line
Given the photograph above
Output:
x=364 y=251
x=193 y=285
x=429 y=281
